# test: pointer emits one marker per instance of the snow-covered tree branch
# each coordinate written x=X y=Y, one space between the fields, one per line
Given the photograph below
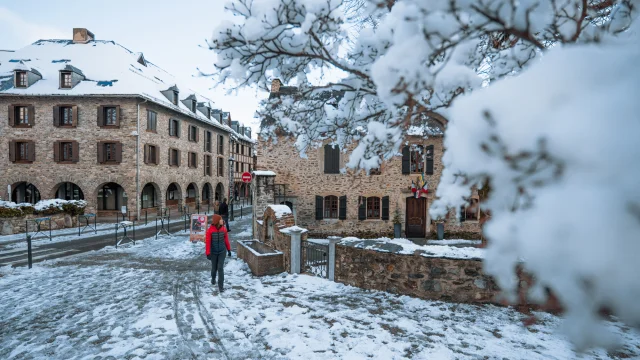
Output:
x=553 y=131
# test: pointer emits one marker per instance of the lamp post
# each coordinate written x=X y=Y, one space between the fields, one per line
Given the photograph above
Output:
x=230 y=197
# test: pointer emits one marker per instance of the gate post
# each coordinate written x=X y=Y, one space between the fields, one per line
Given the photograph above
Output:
x=333 y=240
x=296 y=250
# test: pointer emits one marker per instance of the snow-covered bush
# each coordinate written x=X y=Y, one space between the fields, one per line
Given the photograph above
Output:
x=42 y=207
x=554 y=133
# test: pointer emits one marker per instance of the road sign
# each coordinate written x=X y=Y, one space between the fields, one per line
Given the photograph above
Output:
x=246 y=177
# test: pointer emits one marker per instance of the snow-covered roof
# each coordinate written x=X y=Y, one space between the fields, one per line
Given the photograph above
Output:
x=109 y=68
x=280 y=210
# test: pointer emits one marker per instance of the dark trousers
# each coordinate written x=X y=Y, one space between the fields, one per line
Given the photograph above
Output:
x=226 y=221
x=217 y=266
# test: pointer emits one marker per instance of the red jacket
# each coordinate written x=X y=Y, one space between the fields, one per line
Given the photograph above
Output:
x=213 y=229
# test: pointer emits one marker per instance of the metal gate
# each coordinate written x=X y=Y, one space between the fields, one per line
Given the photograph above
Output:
x=315 y=258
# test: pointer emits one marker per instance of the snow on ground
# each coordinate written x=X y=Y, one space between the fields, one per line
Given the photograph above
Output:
x=405 y=246
x=154 y=301
x=454 y=242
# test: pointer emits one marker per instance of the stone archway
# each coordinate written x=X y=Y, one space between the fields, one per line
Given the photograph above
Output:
x=191 y=194
x=173 y=196
x=207 y=193
x=219 y=194
x=68 y=191
x=110 y=198
x=150 y=196
x=25 y=192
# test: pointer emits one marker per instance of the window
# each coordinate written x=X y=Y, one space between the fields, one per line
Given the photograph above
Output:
x=174 y=157
x=110 y=116
x=21 y=79
x=193 y=105
x=23 y=151
x=152 y=121
x=174 y=128
x=193 y=133
x=109 y=152
x=65 y=80
x=151 y=155
x=237 y=166
x=242 y=149
x=373 y=208
x=66 y=116
x=22 y=115
x=220 y=144
x=207 y=165
x=331 y=207
x=66 y=151
x=417 y=159
x=175 y=98
x=471 y=211
x=220 y=166
x=249 y=150
x=193 y=160
x=331 y=159
x=207 y=141
x=375 y=171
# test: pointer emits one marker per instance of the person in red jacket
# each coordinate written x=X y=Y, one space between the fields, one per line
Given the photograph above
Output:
x=216 y=242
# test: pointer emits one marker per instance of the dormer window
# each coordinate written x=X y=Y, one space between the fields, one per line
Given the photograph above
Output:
x=175 y=98
x=21 y=79
x=65 y=80
x=193 y=106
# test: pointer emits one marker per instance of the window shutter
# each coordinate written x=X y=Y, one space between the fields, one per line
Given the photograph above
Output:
x=12 y=113
x=157 y=155
x=56 y=151
x=74 y=115
x=319 y=204
x=197 y=134
x=195 y=165
x=117 y=121
x=342 y=212
x=56 y=116
x=146 y=154
x=75 y=149
x=385 y=208
x=100 y=152
x=430 y=157
x=12 y=151
x=32 y=115
x=100 y=115
x=170 y=160
x=362 y=210
x=32 y=150
x=406 y=161
x=170 y=120
x=118 y=152
x=178 y=163
x=462 y=219
x=178 y=126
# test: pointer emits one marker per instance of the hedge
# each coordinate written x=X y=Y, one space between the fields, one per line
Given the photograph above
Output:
x=44 y=207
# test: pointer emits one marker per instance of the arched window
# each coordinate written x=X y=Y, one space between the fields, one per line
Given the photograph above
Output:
x=111 y=196
x=149 y=196
x=25 y=192
x=331 y=207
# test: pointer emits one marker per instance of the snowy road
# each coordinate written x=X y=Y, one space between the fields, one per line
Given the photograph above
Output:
x=154 y=301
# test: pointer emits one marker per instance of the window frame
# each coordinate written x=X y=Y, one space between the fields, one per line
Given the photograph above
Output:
x=220 y=145
x=193 y=133
x=18 y=112
x=22 y=146
x=152 y=119
x=413 y=157
x=193 y=160
x=174 y=157
x=176 y=129
x=64 y=147
x=62 y=110
x=63 y=76
x=326 y=155
x=110 y=146
x=371 y=208
x=220 y=166
x=155 y=159
x=472 y=201
x=330 y=207
x=22 y=80
x=208 y=141
x=105 y=115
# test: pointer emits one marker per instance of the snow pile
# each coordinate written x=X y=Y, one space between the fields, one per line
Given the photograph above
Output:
x=559 y=144
x=405 y=246
x=264 y=173
x=46 y=207
x=294 y=228
x=454 y=242
x=280 y=210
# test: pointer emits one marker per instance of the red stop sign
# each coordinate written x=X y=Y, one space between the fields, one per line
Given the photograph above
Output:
x=246 y=177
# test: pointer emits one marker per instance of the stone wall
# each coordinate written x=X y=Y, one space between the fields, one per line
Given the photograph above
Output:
x=89 y=175
x=268 y=262
x=268 y=231
x=453 y=280
x=16 y=225
x=305 y=179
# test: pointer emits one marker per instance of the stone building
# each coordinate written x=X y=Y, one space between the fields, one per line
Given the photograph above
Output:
x=89 y=119
x=330 y=200
x=244 y=159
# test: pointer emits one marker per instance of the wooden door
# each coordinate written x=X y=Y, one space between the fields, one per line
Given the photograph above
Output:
x=416 y=223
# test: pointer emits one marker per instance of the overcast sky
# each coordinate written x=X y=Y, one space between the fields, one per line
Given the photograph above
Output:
x=171 y=34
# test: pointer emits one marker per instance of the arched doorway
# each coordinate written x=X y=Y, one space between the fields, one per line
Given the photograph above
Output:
x=206 y=193
x=219 y=192
x=111 y=197
x=24 y=192
x=174 y=195
x=192 y=193
x=69 y=191
x=149 y=196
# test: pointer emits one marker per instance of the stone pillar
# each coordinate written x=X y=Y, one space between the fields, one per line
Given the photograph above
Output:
x=296 y=251
x=263 y=192
x=332 y=257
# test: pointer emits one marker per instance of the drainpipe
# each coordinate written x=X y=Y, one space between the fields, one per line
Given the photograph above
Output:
x=138 y=162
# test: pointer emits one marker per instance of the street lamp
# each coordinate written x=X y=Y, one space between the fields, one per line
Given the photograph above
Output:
x=230 y=197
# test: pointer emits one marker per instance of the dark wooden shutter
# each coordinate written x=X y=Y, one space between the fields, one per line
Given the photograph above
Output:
x=74 y=114
x=56 y=116
x=118 y=152
x=406 y=160
x=12 y=113
x=385 y=208
x=195 y=165
x=362 y=210
x=56 y=151
x=32 y=115
x=157 y=159
x=118 y=115
x=462 y=219
x=178 y=123
x=170 y=120
x=100 y=152
x=197 y=134
x=430 y=158
x=178 y=162
x=170 y=160
x=342 y=212
x=100 y=115
x=75 y=149
x=146 y=154
x=12 y=151
x=319 y=201
x=32 y=150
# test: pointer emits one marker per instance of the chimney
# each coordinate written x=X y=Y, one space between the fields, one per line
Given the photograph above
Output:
x=275 y=85
x=82 y=36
